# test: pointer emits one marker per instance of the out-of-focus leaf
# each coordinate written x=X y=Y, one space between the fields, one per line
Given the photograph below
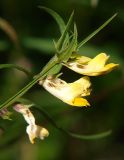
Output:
x=88 y=3
x=5 y=114
x=91 y=137
x=96 y=31
x=13 y=134
x=3 y=45
x=44 y=45
x=94 y=3
x=2 y=66
x=10 y=31
x=84 y=2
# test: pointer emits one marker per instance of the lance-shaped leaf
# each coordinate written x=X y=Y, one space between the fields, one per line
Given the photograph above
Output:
x=64 y=36
x=96 y=31
x=65 y=55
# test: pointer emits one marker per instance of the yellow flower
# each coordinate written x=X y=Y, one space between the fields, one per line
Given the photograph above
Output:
x=91 y=67
x=70 y=93
x=33 y=130
x=36 y=131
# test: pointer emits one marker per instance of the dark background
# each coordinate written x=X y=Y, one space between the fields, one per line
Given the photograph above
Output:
x=35 y=31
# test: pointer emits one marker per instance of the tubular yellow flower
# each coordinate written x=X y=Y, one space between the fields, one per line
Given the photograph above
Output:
x=70 y=93
x=33 y=130
x=91 y=67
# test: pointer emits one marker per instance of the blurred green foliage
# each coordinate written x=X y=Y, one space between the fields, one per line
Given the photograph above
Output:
x=35 y=31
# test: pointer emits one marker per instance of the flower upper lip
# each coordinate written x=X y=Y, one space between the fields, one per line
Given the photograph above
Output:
x=91 y=67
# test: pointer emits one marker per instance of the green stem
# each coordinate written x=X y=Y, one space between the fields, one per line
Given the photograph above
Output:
x=41 y=75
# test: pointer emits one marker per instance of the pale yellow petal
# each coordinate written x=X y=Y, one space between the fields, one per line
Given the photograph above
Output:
x=98 y=62
x=108 y=68
x=67 y=92
x=35 y=131
x=42 y=132
x=31 y=129
x=83 y=59
x=111 y=66
x=79 y=58
x=93 y=67
x=80 y=87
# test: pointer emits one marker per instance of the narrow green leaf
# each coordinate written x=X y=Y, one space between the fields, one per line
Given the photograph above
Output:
x=56 y=16
x=64 y=34
x=65 y=55
x=91 y=137
x=10 y=31
x=2 y=66
x=75 y=39
x=96 y=31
